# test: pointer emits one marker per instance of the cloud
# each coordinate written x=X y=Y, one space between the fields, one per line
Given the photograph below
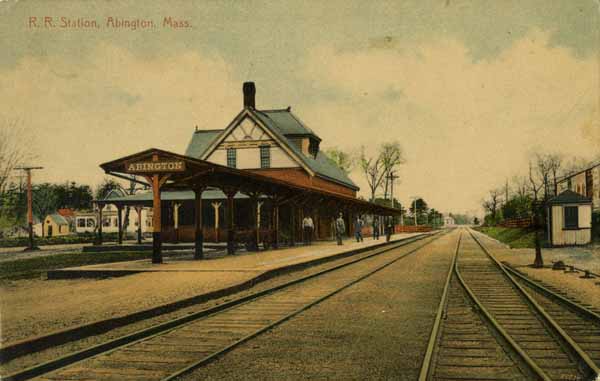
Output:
x=114 y=103
x=466 y=125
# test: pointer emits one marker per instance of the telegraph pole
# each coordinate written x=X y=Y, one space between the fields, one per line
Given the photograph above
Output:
x=30 y=206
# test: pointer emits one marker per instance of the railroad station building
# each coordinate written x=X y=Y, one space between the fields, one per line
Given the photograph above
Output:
x=253 y=182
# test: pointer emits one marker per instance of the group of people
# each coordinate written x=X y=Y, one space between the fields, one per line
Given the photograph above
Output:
x=340 y=229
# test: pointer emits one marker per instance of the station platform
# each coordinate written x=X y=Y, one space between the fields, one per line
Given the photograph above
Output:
x=253 y=262
x=97 y=298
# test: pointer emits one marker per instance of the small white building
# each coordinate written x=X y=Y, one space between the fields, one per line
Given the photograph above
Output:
x=569 y=219
x=449 y=221
x=87 y=222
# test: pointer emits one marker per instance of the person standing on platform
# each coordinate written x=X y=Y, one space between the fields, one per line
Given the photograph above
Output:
x=388 y=230
x=340 y=228
x=308 y=225
x=358 y=225
x=376 y=228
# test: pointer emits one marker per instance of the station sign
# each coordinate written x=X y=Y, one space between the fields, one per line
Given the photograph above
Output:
x=165 y=166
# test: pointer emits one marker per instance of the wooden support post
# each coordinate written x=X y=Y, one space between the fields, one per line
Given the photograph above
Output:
x=293 y=213
x=120 y=223
x=156 y=221
x=276 y=224
x=317 y=223
x=100 y=207
x=176 y=220
x=138 y=209
x=254 y=237
x=258 y=207
x=302 y=232
x=230 y=222
x=198 y=226
x=216 y=206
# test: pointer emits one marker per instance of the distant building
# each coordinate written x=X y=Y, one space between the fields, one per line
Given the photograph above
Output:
x=449 y=221
x=585 y=182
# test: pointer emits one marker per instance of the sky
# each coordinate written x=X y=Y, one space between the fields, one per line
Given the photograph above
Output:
x=470 y=89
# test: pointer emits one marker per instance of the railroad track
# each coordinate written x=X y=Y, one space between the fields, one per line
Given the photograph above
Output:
x=174 y=348
x=490 y=326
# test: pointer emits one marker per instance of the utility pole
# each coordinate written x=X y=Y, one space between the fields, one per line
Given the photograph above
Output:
x=415 y=208
x=30 y=205
x=392 y=177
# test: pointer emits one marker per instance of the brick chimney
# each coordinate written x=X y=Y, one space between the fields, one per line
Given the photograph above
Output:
x=249 y=94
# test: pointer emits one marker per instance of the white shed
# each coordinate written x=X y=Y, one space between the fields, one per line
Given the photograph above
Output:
x=569 y=219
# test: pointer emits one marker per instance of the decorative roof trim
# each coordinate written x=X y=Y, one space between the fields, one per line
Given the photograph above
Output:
x=247 y=112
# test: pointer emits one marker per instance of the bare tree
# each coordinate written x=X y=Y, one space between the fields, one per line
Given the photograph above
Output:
x=534 y=184
x=555 y=162
x=547 y=168
x=374 y=171
x=492 y=203
x=520 y=184
x=13 y=149
x=391 y=156
x=575 y=164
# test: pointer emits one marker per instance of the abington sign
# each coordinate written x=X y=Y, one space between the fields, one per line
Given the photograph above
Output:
x=156 y=166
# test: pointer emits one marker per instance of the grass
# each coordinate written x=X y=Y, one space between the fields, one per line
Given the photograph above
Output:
x=57 y=240
x=35 y=267
x=516 y=238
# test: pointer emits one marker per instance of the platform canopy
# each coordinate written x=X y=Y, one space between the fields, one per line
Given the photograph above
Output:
x=181 y=172
x=176 y=174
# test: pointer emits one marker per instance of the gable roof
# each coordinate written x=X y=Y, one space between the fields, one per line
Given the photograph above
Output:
x=66 y=212
x=58 y=219
x=200 y=142
x=278 y=123
x=569 y=197
x=287 y=122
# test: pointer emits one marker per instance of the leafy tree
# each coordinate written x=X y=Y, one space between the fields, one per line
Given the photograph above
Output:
x=71 y=195
x=517 y=207
x=420 y=208
x=13 y=204
x=344 y=160
x=106 y=187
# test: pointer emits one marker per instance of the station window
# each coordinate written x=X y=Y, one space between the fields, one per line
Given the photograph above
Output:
x=231 y=157
x=106 y=222
x=265 y=157
x=81 y=222
x=571 y=217
x=91 y=222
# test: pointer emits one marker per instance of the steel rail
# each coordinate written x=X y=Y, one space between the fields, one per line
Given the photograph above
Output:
x=553 y=295
x=162 y=328
x=490 y=318
x=584 y=359
x=223 y=351
x=435 y=331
